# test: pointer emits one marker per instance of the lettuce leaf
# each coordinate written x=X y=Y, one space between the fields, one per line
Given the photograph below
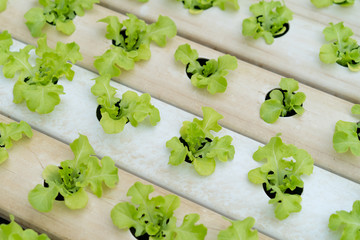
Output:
x=56 y=12
x=197 y=6
x=198 y=146
x=346 y=135
x=12 y=132
x=347 y=222
x=131 y=42
x=326 y=3
x=342 y=49
x=212 y=74
x=281 y=103
x=155 y=216
x=73 y=176
x=268 y=21
x=239 y=230
x=116 y=112
x=14 y=231
x=282 y=168
x=3 y=4
x=37 y=85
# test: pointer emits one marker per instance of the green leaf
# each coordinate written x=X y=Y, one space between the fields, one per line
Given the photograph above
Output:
x=110 y=125
x=42 y=198
x=270 y=110
x=210 y=120
x=12 y=132
x=355 y=109
x=17 y=62
x=163 y=28
x=347 y=222
x=35 y=21
x=239 y=230
x=13 y=231
x=185 y=54
x=113 y=28
x=204 y=166
x=289 y=84
x=322 y=3
x=197 y=6
x=282 y=169
x=73 y=176
x=221 y=149
x=328 y=53
x=268 y=20
x=66 y=27
x=5 y=43
x=345 y=137
x=178 y=151
x=3 y=4
x=124 y=215
x=188 y=229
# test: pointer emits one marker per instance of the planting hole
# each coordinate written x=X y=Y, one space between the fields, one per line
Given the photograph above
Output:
x=187 y=159
x=202 y=62
x=123 y=34
x=280 y=32
x=66 y=18
x=59 y=197
x=142 y=237
x=358 y=130
x=288 y=113
x=4 y=221
x=270 y=194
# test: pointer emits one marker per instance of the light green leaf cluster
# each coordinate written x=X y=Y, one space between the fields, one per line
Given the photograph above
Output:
x=212 y=74
x=347 y=222
x=346 y=135
x=155 y=216
x=131 y=42
x=282 y=169
x=3 y=4
x=12 y=132
x=116 y=112
x=73 y=176
x=283 y=102
x=197 y=6
x=326 y=3
x=342 y=49
x=143 y=1
x=37 y=85
x=268 y=20
x=198 y=146
x=239 y=230
x=56 y=12
x=14 y=231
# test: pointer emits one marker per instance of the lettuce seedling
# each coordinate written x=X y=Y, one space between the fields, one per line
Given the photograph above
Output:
x=197 y=6
x=271 y=19
x=347 y=222
x=283 y=102
x=347 y=135
x=37 y=84
x=56 y=12
x=239 y=230
x=3 y=4
x=131 y=42
x=72 y=177
x=154 y=217
x=211 y=74
x=280 y=173
x=326 y=3
x=198 y=146
x=342 y=49
x=14 y=231
x=12 y=132
x=116 y=112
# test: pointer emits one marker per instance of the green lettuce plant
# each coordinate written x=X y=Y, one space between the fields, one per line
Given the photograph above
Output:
x=283 y=101
x=116 y=112
x=281 y=173
x=197 y=6
x=56 y=12
x=155 y=217
x=269 y=20
x=198 y=146
x=12 y=132
x=72 y=177
x=131 y=42
x=210 y=75
x=37 y=84
x=3 y=4
x=326 y=3
x=14 y=231
x=347 y=135
x=342 y=49
x=239 y=230
x=347 y=222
